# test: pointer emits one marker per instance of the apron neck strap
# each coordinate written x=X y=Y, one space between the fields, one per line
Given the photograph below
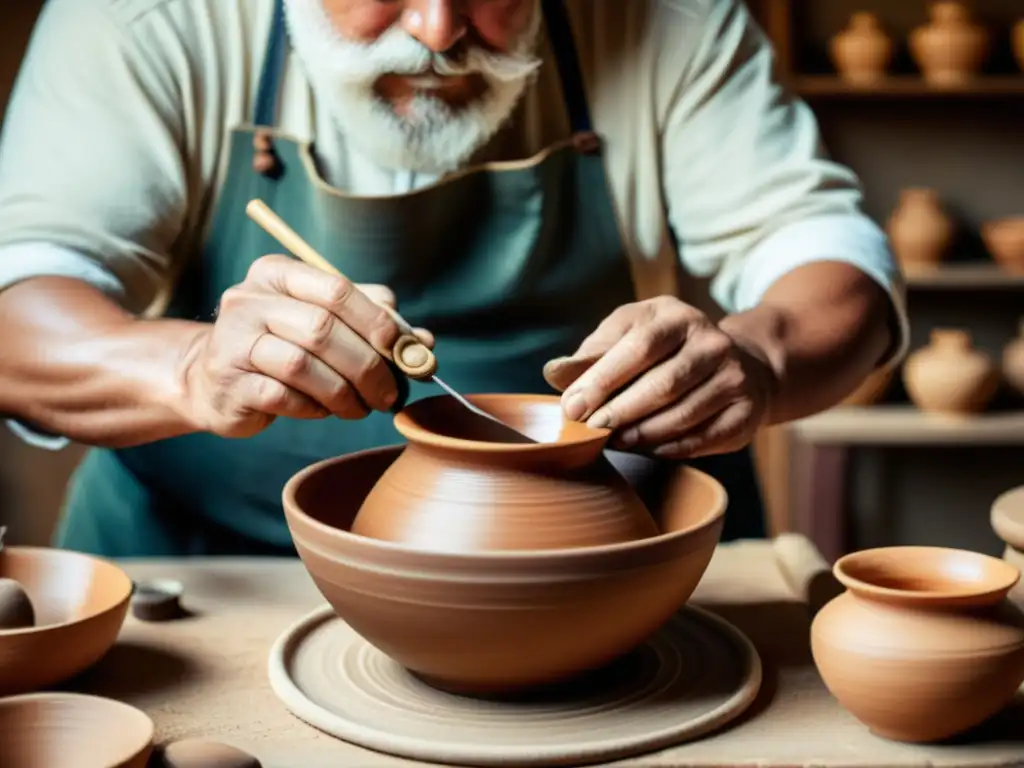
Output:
x=559 y=30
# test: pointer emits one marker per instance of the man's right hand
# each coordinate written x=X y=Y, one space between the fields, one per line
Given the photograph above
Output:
x=292 y=341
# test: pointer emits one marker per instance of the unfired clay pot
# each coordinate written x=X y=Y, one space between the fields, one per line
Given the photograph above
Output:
x=1013 y=363
x=950 y=49
x=950 y=376
x=73 y=730
x=1004 y=239
x=1007 y=519
x=80 y=603
x=923 y=645
x=449 y=492
x=496 y=621
x=862 y=52
x=920 y=230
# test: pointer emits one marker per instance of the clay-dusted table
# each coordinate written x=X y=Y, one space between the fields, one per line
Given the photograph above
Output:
x=206 y=676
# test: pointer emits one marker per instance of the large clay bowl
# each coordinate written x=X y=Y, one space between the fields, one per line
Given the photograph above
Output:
x=80 y=604
x=70 y=730
x=498 y=621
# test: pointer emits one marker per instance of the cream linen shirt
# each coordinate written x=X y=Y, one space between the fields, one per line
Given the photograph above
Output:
x=115 y=146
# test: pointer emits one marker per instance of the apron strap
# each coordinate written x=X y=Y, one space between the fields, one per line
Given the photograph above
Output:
x=559 y=30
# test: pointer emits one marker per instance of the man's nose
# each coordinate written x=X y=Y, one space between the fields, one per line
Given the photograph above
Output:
x=438 y=24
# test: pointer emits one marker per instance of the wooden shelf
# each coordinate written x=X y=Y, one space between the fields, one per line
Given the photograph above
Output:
x=983 y=276
x=906 y=425
x=830 y=86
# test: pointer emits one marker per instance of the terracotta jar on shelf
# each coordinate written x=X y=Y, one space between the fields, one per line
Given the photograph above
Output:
x=920 y=230
x=1004 y=239
x=1013 y=363
x=1018 y=43
x=950 y=376
x=863 y=51
x=951 y=48
x=924 y=644
x=1007 y=520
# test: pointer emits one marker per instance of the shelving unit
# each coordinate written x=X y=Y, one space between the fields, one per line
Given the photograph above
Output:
x=966 y=142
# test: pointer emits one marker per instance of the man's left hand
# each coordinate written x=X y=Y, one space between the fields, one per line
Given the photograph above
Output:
x=667 y=380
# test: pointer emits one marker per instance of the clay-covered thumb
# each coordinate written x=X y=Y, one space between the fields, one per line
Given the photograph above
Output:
x=561 y=372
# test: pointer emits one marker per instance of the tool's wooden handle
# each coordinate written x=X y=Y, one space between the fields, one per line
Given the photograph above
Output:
x=414 y=358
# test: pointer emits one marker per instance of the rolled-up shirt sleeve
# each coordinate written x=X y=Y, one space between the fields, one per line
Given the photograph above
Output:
x=750 y=190
x=92 y=177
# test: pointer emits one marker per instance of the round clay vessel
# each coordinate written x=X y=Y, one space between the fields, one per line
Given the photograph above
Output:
x=448 y=492
x=923 y=645
x=1013 y=363
x=80 y=603
x=1004 y=239
x=872 y=389
x=862 y=52
x=920 y=230
x=950 y=376
x=494 y=621
x=950 y=49
x=1007 y=519
x=72 y=730
x=16 y=610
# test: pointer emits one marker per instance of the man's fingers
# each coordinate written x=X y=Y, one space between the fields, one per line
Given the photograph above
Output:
x=724 y=433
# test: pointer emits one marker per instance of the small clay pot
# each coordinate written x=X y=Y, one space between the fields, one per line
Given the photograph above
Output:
x=1007 y=520
x=80 y=603
x=863 y=51
x=1004 y=239
x=1017 y=42
x=920 y=230
x=950 y=376
x=452 y=492
x=923 y=645
x=499 y=621
x=951 y=49
x=872 y=389
x=1013 y=363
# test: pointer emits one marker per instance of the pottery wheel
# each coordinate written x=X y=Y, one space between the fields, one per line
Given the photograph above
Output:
x=693 y=676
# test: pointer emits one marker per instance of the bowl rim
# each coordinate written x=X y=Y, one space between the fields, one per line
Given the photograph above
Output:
x=406 y=425
x=146 y=726
x=1005 y=576
x=57 y=552
x=292 y=509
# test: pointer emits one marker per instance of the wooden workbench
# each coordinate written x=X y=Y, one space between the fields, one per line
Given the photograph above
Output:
x=205 y=676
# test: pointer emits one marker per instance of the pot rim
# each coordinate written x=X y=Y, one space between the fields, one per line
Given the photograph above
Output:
x=293 y=510
x=38 y=552
x=406 y=425
x=998 y=579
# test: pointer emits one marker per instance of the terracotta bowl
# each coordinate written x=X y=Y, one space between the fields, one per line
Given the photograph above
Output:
x=498 y=621
x=923 y=645
x=1004 y=239
x=71 y=730
x=80 y=603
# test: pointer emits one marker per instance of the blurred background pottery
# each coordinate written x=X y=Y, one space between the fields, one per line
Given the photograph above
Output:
x=923 y=645
x=1018 y=43
x=950 y=49
x=79 y=604
x=1007 y=520
x=1013 y=363
x=862 y=52
x=497 y=621
x=449 y=492
x=1004 y=239
x=920 y=230
x=950 y=375
x=71 y=730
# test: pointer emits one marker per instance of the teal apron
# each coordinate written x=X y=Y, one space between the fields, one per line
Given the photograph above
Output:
x=508 y=268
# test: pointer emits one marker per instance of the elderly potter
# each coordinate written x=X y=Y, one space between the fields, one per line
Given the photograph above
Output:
x=528 y=181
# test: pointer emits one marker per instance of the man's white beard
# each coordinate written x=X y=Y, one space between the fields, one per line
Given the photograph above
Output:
x=431 y=137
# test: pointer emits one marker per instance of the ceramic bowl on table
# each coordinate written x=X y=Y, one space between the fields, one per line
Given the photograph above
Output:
x=924 y=644
x=80 y=603
x=498 y=619
x=71 y=730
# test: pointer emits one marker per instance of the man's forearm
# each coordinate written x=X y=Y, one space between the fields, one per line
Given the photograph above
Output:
x=75 y=364
x=823 y=327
